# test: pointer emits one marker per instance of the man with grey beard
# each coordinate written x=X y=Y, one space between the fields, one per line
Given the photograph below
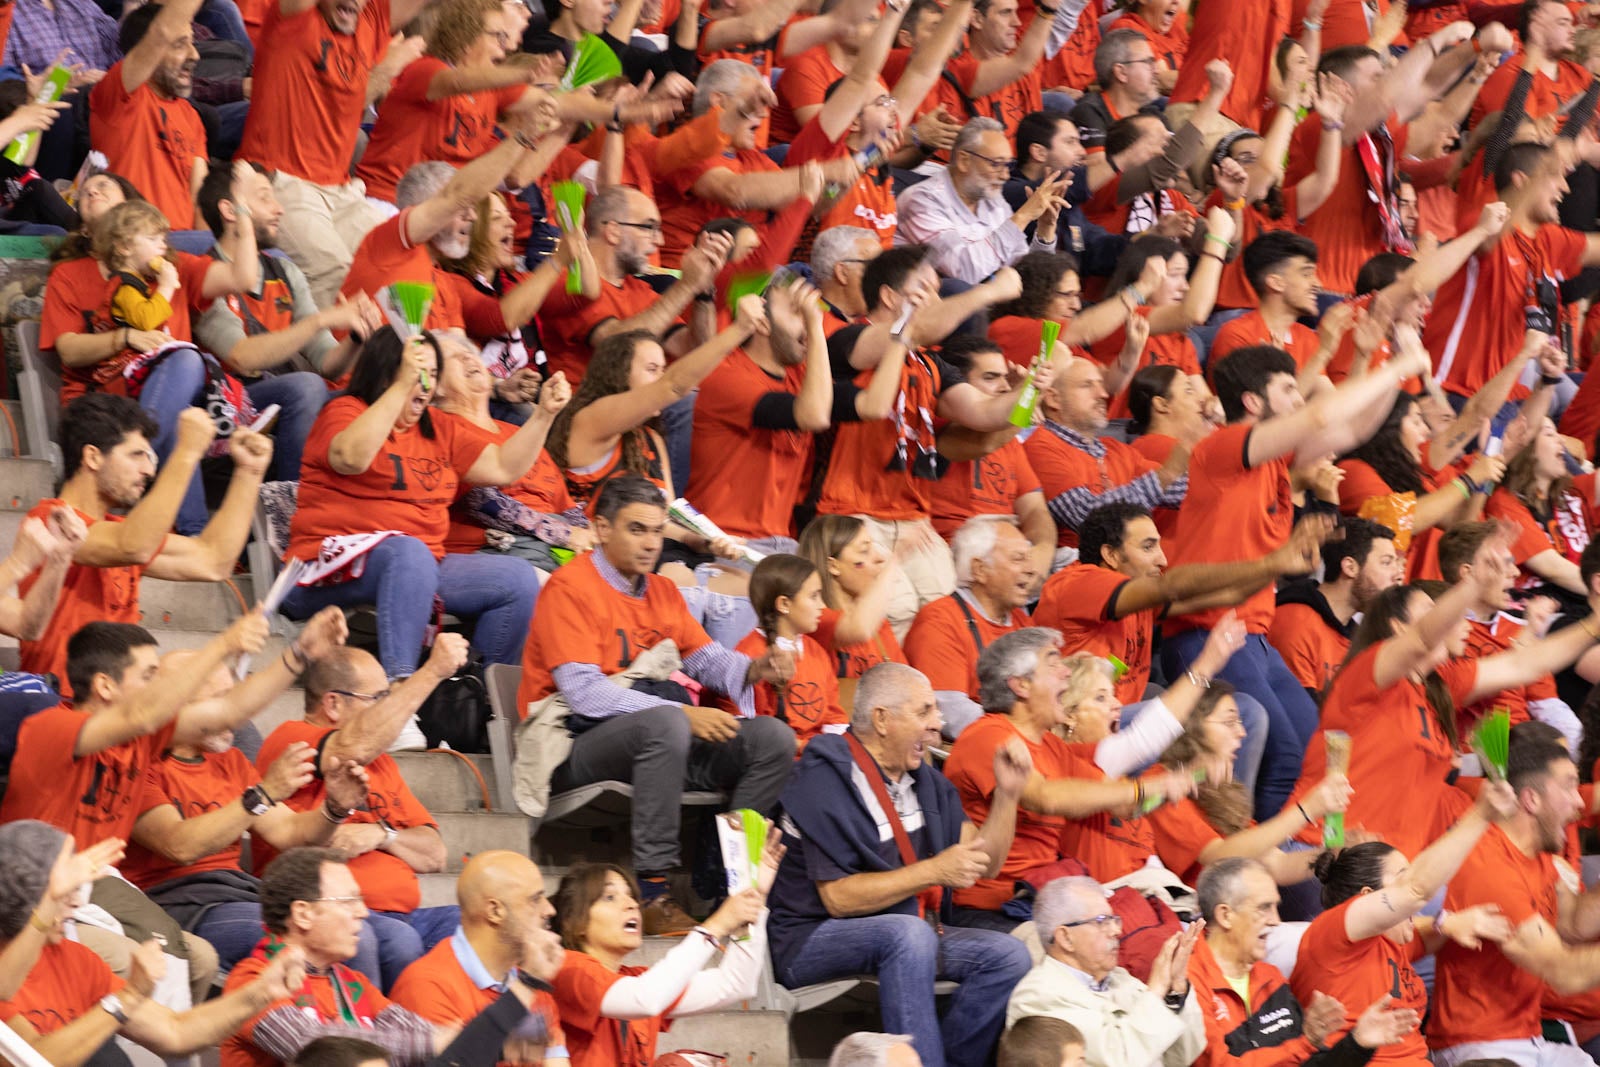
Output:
x=438 y=207
x=140 y=116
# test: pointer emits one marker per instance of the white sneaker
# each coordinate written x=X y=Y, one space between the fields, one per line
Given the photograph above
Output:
x=410 y=739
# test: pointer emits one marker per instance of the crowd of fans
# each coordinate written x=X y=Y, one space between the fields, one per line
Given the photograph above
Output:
x=1125 y=449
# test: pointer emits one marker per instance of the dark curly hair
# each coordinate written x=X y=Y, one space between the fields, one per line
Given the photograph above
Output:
x=1041 y=272
x=607 y=375
x=1384 y=453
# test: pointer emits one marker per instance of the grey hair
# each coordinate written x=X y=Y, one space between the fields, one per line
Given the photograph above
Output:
x=1013 y=655
x=605 y=206
x=1115 y=47
x=422 y=182
x=973 y=132
x=866 y=1049
x=724 y=76
x=28 y=850
x=976 y=540
x=1060 y=901
x=1221 y=883
x=834 y=245
x=882 y=686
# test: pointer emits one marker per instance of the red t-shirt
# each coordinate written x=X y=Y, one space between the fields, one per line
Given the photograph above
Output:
x=988 y=486
x=193 y=787
x=592 y=1039
x=1311 y=649
x=542 y=489
x=1182 y=834
x=1567 y=531
x=857 y=481
x=315 y=999
x=803 y=83
x=66 y=982
x=1346 y=22
x=1476 y=325
x=809 y=703
x=411 y=128
x=1251 y=329
x=1234 y=290
x=1019 y=338
x=1359 y=972
x=408 y=487
x=309 y=92
x=1346 y=227
x=1061 y=466
x=944 y=642
x=387 y=882
x=869 y=203
x=1073 y=66
x=385 y=256
x=1546 y=96
x=683 y=214
x=1078 y=600
x=1247 y=36
x=1169 y=47
x=1222 y=482
x=566 y=321
x=1157 y=448
x=1161 y=350
x=151 y=140
x=90 y=797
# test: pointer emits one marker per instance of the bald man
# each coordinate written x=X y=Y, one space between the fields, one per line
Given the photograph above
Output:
x=200 y=798
x=503 y=913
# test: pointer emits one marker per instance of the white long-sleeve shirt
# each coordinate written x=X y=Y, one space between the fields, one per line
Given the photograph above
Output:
x=969 y=244
x=1123 y=1024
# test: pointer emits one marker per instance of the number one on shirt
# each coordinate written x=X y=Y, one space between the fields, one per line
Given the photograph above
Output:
x=1022 y=411
x=53 y=89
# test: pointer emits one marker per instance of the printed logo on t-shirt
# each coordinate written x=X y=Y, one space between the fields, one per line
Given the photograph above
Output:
x=112 y=790
x=340 y=62
x=803 y=702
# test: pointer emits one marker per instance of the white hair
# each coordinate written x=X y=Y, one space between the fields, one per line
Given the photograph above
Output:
x=976 y=540
x=1012 y=655
x=866 y=1049
x=724 y=77
x=834 y=245
x=882 y=686
x=422 y=182
x=1066 y=900
x=967 y=140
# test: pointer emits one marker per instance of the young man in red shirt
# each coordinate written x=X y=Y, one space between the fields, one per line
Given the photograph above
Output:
x=1242 y=471
x=1281 y=266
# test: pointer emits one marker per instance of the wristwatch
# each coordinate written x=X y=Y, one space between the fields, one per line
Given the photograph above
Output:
x=255 y=800
x=111 y=1004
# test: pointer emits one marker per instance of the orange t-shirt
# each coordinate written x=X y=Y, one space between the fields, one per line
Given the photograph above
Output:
x=1111 y=846
x=1400 y=757
x=1251 y=329
x=1157 y=448
x=731 y=455
x=1019 y=337
x=1161 y=350
x=78 y=300
x=1485 y=639
x=90 y=797
x=1567 y=531
x=387 y=882
x=1061 y=466
x=803 y=83
x=988 y=486
x=107 y=594
x=1311 y=649
x=1169 y=47
x=1077 y=600
x=309 y=92
x=411 y=128
x=1008 y=105
x=582 y=619
x=566 y=321
x=408 y=487
x=1221 y=482
x=1339 y=367
x=1346 y=227
x=151 y=140
x=1476 y=325
x=1234 y=289
x=592 y=1039
x=1480 y=995
x=1546 y=96
x=944 y=642
x=437 y=988
x=1246 y=35
x=683 y=214
x=1037 y=841
x=852 y=661
x=385 y=256
x=66 y=982
x=869 y=203
x=809 y=703
x=1182 y=833
x=1359 y=972
x=194 y=787
x=1582 y=418
x=542 y=489
x=316 y=999
x=1073 y=66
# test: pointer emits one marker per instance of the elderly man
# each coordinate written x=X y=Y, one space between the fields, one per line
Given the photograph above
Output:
x=1125 y=70
x=1124 y=1022
x=839 y=258
x=69 y=1005
x=875 y=1050
x=311 y=903
x=505 y=926
x=1239 y=903
x=600 y=614
x=624 y=231
x=961 y=214
x=995 y=577
x=354 y=714
x=875 y=837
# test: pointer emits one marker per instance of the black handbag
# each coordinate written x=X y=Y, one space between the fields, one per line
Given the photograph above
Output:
x=457 y=713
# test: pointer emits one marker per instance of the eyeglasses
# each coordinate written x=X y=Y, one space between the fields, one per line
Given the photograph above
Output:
x=1098 y=920
x=1074 y=295
x=994 y=164
x=1230 y=722
x=840 y=262
x=1135 y=62
x=371 y=698
x=648 y=227
x=501 y=38
x=347 y=903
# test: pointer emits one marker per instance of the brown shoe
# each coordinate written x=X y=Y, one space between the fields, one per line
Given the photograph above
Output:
x=664 y=918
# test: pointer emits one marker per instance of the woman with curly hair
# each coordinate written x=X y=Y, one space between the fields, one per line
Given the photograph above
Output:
x=1551 y=511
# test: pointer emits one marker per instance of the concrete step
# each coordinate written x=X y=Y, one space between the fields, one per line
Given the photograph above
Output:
x=202 y=606
x=438 y=890
x=23 y=483
x=744 y=1037
x=466 y=833
x=444 y=782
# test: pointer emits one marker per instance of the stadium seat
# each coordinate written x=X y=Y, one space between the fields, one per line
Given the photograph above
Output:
x=40 y=385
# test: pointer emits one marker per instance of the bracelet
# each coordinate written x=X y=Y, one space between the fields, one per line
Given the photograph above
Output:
x=1477 y=45
x=1133 y=291
x=1553 y=379
x=1587 y=622
x=1236 y=204
x=524 y=140
x=1332 y=127
x=709 y=936
x=125 y=335
x=1051 y=11
x=1310 y=24
x=1198 y=681
x=1301 y=808
x=1464 y=484
x=332 y=813
x=1212 y=238
x=39 y=924
x=1138 y=794
x=1212 y=255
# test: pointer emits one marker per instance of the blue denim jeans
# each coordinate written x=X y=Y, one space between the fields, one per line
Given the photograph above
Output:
x=908 y=956
x=404 y=936
x=234 y=929
x=677 y=421
x=401 y=579
x=1258 y=670
x=222 y=18
x=177 y=383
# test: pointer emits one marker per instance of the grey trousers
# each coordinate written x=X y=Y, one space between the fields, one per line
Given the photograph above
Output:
x=654 y=750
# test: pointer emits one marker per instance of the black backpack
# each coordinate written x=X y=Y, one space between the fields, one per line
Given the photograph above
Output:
x=457 y=712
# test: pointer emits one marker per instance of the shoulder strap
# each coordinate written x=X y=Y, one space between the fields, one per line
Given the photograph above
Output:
x=928 y=899
x=972 y=623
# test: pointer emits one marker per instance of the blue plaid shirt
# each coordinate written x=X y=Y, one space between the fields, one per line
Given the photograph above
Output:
x=38 y=34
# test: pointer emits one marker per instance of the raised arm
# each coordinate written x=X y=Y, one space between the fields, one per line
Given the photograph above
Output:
x=1333 y=100
x=466 y=188
x=504 y=463
x=167 y=30
x=847 y=99
x=928 y=62
x=140 y=535
x=1535 y=659
x=995 y=74
x=1404 y=87
x=700 y=266
x=367 y=734
x=1196 y=305
x=242 y=702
